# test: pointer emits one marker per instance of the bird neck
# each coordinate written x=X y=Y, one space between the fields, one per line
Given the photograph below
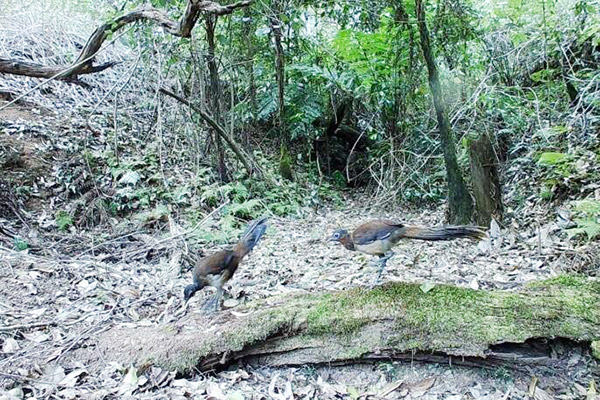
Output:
x=348 y=243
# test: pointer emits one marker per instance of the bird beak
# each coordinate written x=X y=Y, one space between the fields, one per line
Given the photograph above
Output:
x=332 y=239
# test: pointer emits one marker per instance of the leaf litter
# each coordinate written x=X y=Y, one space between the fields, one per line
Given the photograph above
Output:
x=62 y=291
x=77 y=298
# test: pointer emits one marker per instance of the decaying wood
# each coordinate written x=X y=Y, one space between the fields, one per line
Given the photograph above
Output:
x=486 y=181
x=395 y=321
x=84 y=63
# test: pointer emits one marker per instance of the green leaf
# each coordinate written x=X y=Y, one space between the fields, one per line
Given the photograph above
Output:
x=63 y=220
x=20 y=244
x=552 y=158
x=353 y=392
x=589 y=207
x=130 y=177
x=589 y=227
x=427 y=286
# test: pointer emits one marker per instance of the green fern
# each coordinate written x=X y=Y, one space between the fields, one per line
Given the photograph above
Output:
x=588 y=219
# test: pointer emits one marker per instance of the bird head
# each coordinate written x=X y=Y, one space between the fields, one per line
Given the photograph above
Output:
x=339 y=236
x=190 y=290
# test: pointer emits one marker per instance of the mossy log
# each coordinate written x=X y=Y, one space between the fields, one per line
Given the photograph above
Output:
x=394 y=321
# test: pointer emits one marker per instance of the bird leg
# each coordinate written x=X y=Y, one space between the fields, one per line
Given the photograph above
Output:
x=383 y=262
x=215 y=301
x=219 y=298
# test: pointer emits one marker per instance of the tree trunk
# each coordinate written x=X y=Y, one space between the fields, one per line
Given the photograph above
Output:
x=248 y=31
x=394 y=321
x=486 y=181
x=218 y=129
x=285 y=168
x=459 y=200
x=214 y=91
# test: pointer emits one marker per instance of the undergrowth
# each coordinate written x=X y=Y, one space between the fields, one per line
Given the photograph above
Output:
x=147 y=191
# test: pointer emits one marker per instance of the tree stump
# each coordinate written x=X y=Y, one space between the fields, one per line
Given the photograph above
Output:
x=486 y=182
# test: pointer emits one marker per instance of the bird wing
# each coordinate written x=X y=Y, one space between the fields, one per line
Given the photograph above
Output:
x=372 y=231
x=214 y=264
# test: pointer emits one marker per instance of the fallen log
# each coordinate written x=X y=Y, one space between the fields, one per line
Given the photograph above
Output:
x=394 y=321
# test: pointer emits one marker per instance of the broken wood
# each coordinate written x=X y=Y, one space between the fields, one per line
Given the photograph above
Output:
x=395 y=321
x=84 y=63
x=486 y=181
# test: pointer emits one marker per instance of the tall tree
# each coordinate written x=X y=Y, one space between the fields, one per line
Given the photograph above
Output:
x=214 y=90
x=276 y=23
x=459 y=200
x=248 y=32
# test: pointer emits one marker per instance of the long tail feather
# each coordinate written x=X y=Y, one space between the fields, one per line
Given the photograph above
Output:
x=444 y=232
x=251 y=236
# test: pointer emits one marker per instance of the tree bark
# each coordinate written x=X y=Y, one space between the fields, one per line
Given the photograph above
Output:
x=395 y=321
x=486 y=181
x=285 y=167
x=248 y=30
x=218 y=129
x=214 y=91
x=275 y=22
x=459 y=200
x=84 y=63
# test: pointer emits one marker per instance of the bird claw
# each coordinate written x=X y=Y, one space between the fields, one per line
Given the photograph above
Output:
x=212 y=305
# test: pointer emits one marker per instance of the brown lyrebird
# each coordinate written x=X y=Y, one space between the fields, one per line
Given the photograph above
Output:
x=216 y=269
x=378 y=237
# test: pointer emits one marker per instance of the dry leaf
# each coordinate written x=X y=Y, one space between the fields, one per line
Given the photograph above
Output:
x=129 y=382
x=419 y=388
x=37 y=337
x=52 y=375
x=12 y=394
x=10 y=345
x=71 y=379
x=389 y=388
x=214 y=392
x=541 y=394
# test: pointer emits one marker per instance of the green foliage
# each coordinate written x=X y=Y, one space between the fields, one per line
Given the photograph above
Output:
x=587 y=217
x=557 y=163
x=159 y=213
x=566 y=173
x=63 y=220
x=19 y=244
x=285 y=164
x=250 y=198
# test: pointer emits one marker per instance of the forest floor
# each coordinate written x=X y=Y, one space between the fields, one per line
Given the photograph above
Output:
x=66 y=288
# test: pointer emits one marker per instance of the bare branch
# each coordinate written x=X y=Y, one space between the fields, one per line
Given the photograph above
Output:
x=218 y=128
x=84 y=63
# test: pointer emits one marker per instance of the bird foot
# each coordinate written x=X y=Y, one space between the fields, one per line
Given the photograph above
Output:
x=213 y=305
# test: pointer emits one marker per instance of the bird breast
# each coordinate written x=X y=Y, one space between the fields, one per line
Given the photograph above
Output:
x=378 y=247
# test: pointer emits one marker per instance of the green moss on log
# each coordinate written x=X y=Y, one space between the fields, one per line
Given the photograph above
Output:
x=397 y=317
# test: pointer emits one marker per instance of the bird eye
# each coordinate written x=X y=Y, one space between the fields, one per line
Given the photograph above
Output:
x=336 y=235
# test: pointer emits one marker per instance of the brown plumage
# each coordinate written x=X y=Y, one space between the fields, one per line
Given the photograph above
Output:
x=216 y=269
x=378 y=237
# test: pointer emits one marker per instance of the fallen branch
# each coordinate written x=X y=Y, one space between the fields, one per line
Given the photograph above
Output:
x=395 y=321
x=84 y=62
x=25 y=327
